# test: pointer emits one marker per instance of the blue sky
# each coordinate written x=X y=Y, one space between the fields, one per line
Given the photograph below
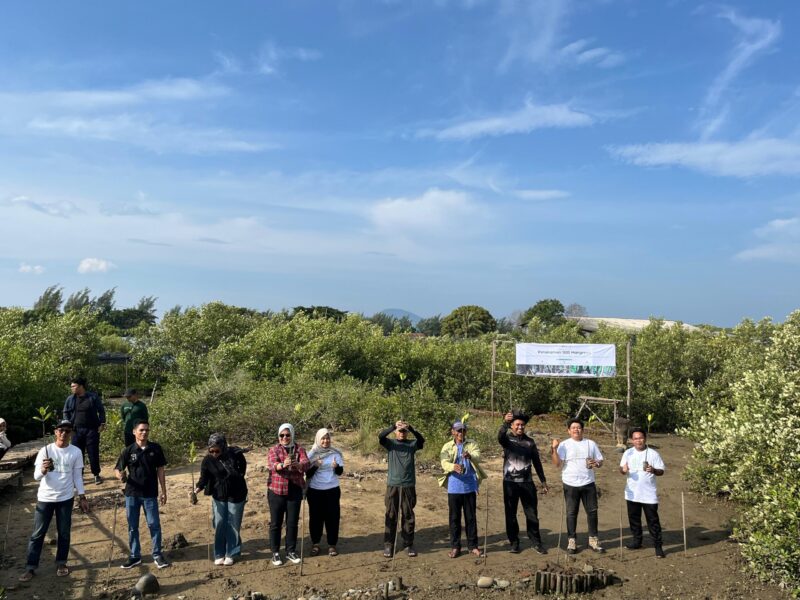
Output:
x=639 y=158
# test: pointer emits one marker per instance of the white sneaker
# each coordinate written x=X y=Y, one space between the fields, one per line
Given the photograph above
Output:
x=228 y=561
x=219 y=561
x=594 y=544
x=572 y=546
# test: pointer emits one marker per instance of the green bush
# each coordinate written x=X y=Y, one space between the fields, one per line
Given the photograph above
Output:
x=747 y=449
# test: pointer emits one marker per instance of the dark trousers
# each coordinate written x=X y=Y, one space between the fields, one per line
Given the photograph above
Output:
x=88 y=440
x=323 y=511
x=466 y=503
x=515 y=492
x=41 y=521
x=573 y=497
x=288 y=506
x=406 y=498
x=653 y=522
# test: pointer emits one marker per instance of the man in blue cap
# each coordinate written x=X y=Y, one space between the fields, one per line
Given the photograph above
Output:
x=460 y=459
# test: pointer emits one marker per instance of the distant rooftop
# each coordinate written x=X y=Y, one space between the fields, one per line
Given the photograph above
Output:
x=591 y=324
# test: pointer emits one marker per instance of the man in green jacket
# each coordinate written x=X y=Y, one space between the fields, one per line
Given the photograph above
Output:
x=132 y=411
x=401 y=491
x=460 y=459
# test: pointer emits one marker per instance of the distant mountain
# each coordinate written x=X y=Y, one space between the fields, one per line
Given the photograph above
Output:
x=399 y=313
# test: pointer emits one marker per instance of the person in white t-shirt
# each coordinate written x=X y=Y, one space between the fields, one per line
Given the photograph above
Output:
x=578 y=457
x=58 y=469
x=642 y=465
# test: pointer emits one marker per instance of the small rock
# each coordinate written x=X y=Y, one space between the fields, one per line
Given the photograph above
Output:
x=148 y=584
x=485 y=582
x=502 y=583
x=587 y=568
x=178 y=541
x=315 y=597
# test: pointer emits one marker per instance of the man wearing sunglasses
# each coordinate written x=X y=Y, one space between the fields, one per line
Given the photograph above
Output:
x=141 y=468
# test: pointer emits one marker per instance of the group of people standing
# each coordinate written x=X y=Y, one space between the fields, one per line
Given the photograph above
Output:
x=295 y=475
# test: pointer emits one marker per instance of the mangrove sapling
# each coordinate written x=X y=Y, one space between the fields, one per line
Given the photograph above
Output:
x=192 y=459
x=44 y=415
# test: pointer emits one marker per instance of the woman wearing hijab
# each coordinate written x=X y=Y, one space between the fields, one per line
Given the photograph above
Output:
x=287 y=462
x=4 y=443
x=222 y=477
x=327 y=463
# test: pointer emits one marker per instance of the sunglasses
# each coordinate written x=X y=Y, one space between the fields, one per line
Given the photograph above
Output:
x=284 y=435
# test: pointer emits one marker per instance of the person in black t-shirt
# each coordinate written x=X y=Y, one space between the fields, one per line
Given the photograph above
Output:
x=222 y=477
x=141 y=468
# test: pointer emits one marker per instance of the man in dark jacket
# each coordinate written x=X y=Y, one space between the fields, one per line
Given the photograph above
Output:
x=86 y=412
x=401 y=491
x=132 y=411
x=519 y=455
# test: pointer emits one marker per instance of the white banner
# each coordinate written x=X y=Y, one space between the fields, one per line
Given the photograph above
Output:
x=567 y=360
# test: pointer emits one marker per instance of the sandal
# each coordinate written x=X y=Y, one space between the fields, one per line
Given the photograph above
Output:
x=26 y=576
x=332 y=551
x=476 y=552
x=315 y=550
x=454 y=552
x=62 y=571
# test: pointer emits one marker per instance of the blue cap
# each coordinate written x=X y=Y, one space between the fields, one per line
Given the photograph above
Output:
x=459 y=425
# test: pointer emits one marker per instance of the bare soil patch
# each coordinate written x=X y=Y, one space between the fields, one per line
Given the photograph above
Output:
x=712 y=568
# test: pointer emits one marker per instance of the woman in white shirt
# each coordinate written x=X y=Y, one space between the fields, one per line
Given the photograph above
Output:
x=324 y=493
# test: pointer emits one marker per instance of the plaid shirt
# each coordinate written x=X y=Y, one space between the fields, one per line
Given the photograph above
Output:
x=279 y=480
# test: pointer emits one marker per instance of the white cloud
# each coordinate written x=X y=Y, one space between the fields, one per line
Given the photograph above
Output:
x=781 y=242
x=580 y=53
x=529 y=118
x=145 y=132
x=95 y=265
x=746 y=158
x=755 y=36
x=34 y=269
x=541 y=194
x=436 y=211
x=270 y=57
x=60 y=208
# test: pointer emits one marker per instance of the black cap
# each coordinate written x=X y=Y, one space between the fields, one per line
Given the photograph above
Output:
x=131 y=392
x=64 y=424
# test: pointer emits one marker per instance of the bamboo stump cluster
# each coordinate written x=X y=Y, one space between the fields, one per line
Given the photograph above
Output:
x=555 y=579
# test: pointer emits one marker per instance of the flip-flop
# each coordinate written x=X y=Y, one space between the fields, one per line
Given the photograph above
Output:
x=62 y=571
x=332 y=551
x=26 y=576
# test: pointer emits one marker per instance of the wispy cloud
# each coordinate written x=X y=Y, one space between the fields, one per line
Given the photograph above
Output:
x=61 y=208
x=746 y=158
x=95 y=265
x=581 y=52
x=529 y=118
x=541 y=194
x=146 y=132
x=780 y=242
x=271 y=56
x=211 y=240
x=32 y=269
x=145 y=242
x=756 y=36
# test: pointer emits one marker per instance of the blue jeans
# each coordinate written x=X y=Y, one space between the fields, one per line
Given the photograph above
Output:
x=150 y=505
x=41 y=521
x=226 y=518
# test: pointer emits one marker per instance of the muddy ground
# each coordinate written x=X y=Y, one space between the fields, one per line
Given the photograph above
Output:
x=711 y=569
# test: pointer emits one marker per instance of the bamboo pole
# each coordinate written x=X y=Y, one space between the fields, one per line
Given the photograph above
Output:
x=486 y=527
x=302 y=531
x=113 y=535
x=397 y=523
x=628 y=369
x=561 y=526
x=683 y=517
x=8 y=523
x=621 y=504
x=494 y=363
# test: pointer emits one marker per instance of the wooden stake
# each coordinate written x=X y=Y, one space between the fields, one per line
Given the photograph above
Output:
x=8 y=522
x=302 y=530
x=683 y=516
x=621 y=504
x=628 y=369
x=208 y=546
x=494 y=362
x=561 y=527
x=486 y=527
x=113 y=535
x=399 y=521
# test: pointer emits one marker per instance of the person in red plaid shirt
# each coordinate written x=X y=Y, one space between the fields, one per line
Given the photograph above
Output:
x=287 y=463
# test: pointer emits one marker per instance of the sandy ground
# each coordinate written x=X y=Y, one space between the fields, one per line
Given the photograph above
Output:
x=712 y=568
